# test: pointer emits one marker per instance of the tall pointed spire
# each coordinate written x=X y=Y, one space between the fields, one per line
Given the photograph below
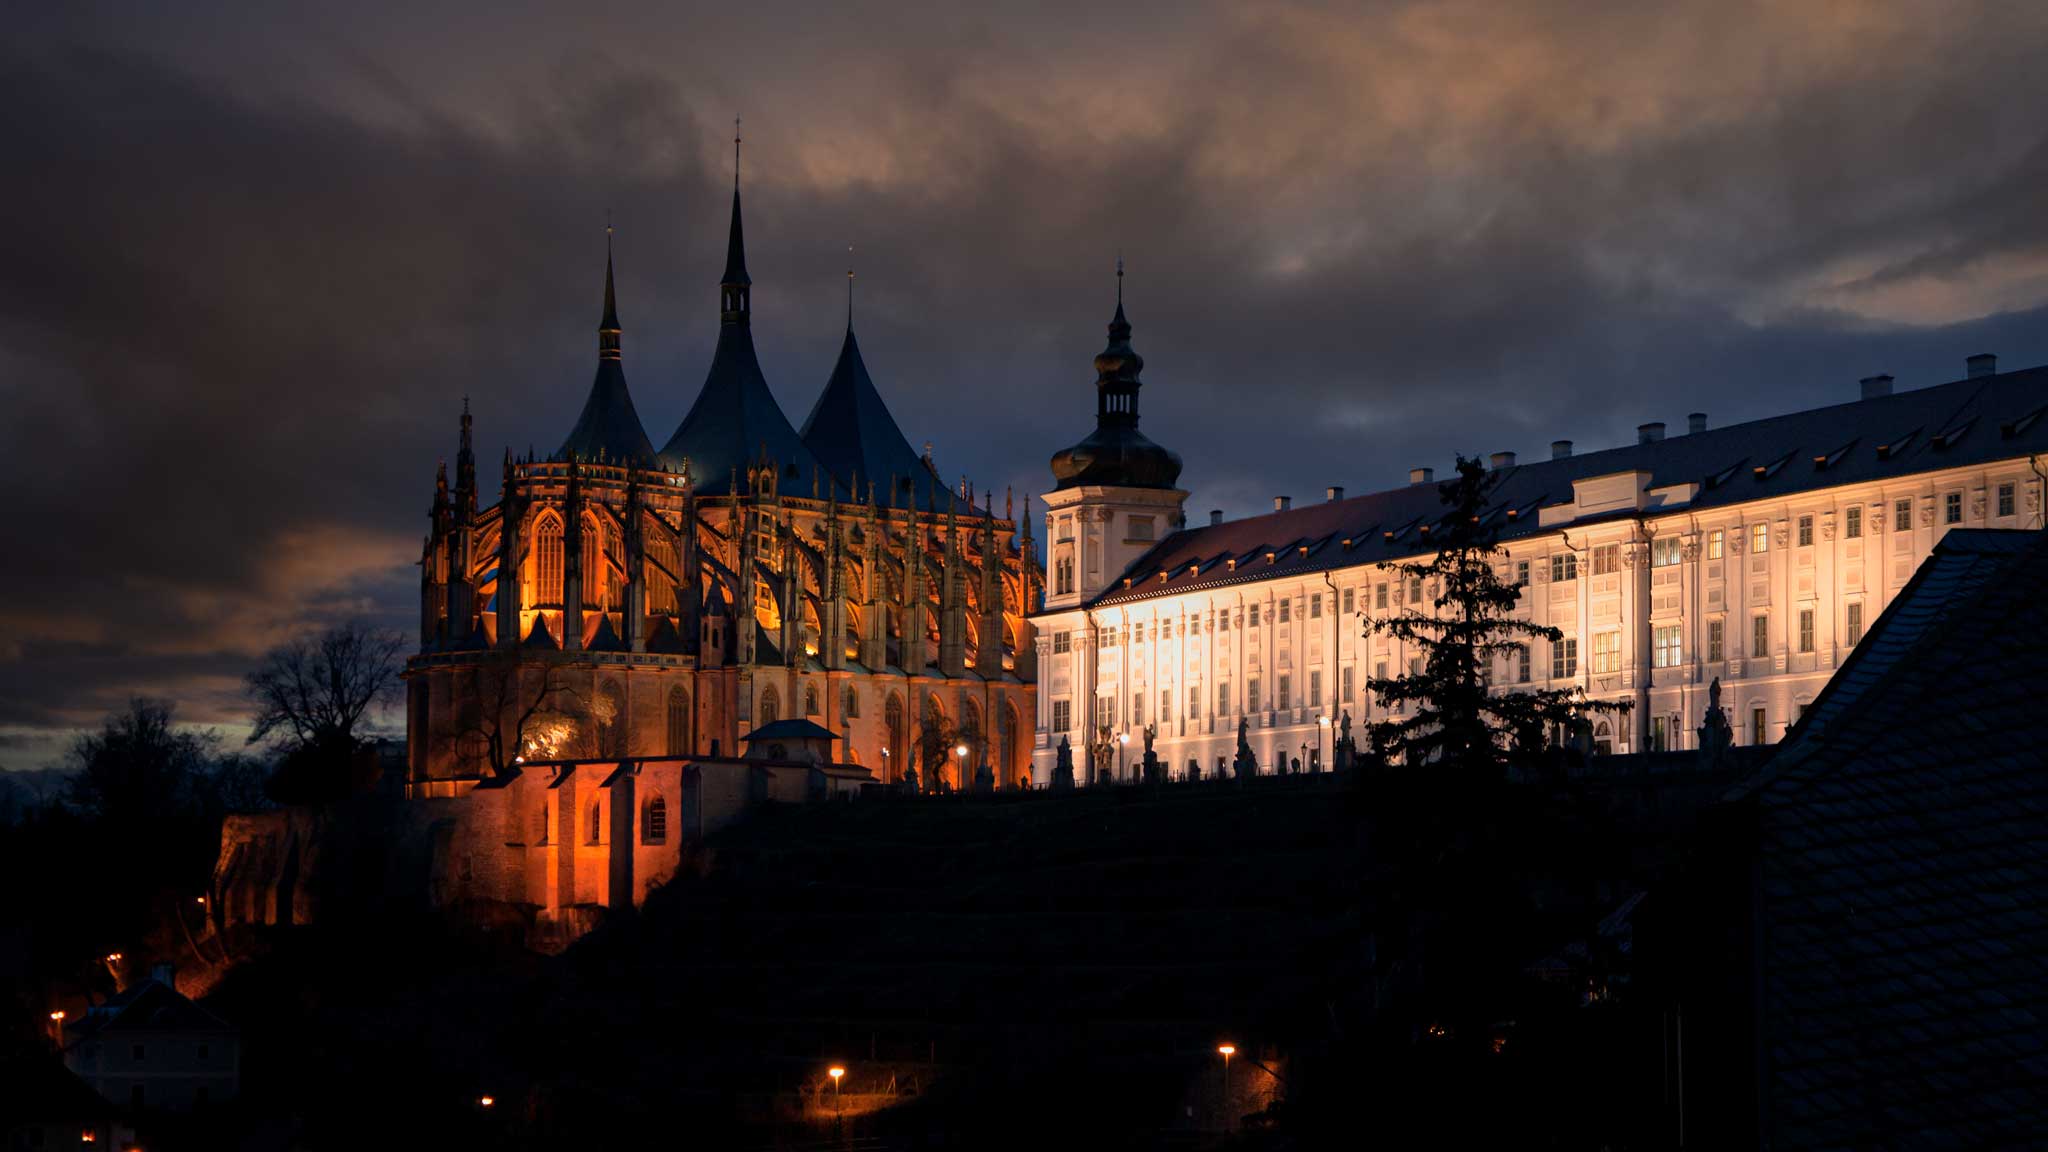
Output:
x=735 y=286
x=1116 y=454
x=849 y=287
x=608 y=330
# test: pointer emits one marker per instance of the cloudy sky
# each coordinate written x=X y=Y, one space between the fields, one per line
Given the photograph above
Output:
x=252 y=259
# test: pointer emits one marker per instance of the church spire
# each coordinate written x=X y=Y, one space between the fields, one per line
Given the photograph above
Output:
x=608 y=330
x=735 y=286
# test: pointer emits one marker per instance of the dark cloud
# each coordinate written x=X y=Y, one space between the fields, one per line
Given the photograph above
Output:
x=252 y=260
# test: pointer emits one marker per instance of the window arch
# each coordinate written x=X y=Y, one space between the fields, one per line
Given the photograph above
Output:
x=679 y=735
x=654 y=827
x=595 y=572
x=596 y=833
x=810 y=699
x=771 y=707
x=547 y=822
x=547 y=551
x=850 y=707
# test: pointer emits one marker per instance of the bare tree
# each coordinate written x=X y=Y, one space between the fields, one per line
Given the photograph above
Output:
x=509 y=722
x=315 y=690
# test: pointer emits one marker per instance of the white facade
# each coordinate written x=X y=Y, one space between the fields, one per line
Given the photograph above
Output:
x=1659 y=590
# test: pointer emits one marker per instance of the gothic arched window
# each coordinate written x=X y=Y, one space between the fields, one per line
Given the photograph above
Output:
x=596 y=822
x=654 y=829
x=547 y=552
x=810 y=699
x=679 y=743
x=594 y=570
x=771 y=707
x=851 y=707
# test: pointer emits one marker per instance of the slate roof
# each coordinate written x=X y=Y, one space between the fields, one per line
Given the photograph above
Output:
x=795 y=728
x=150 y=1006
x=609 y=427
x=852 y=434
x=1903 y=871
x=1970 y=421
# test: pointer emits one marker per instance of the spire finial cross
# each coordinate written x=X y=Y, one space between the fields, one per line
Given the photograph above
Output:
x=1119 y=279
x=735 y=153
x=849 y=286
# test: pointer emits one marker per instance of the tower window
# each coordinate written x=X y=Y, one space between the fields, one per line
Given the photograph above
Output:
x=548 y=554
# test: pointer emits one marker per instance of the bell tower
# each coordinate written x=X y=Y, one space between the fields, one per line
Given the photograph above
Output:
x=1114 y=496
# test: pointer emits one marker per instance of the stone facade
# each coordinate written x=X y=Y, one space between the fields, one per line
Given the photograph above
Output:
x=1755 y=554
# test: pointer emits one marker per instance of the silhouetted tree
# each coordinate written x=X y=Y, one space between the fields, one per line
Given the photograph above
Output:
x=312 y=695
x=139 y=768
x=1452 y=718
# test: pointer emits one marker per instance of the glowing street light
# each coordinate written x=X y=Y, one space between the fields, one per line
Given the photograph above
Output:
x=57 y=1018
x=1226 y=1051
x=487 y=1101
x=1322 y=730
x=835 y=1072
x=1123 y=740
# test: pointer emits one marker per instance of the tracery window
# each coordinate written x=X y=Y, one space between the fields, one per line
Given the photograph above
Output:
x=547 y=550
x=679 y=743
x=654 y=829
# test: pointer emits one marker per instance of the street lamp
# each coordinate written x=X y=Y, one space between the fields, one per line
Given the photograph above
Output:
x=57 y=1018
x=835 y=1072
x=1227 y=1051
x=1122 y=740
x=486 y=1101
x=885 y=766
x=960 y=751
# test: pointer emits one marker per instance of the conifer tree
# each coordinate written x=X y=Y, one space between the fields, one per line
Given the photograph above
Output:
x=1448 y=714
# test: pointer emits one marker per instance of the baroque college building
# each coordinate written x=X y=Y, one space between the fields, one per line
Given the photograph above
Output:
x=1755 y=555
x=596 y=646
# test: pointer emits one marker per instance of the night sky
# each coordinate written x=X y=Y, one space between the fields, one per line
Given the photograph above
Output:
x=252 y=260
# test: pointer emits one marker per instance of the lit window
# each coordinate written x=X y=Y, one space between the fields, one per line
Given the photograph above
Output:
x=1759 y=537
x=1606 y=562
x=1852 y=522
x=1062 y=642
x=1760 y=636
x=1062 y=715
x=2005 y=501
x=1660 y=734
x=1564 y=658
x=1806 y=629
x=1902 y=515
x=1759 y=727
x=654 y=829
x=1606 y=652
x=1952 y=508
x=1666 y=651
x=548 y=550
x=1716 y=542
x=1664 y=551
x=1806 y=531
x=1564 y=566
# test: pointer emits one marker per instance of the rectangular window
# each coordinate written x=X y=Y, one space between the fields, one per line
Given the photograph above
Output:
x=1379 y=670
x=1806 y=629
x=1806 y=531
x=1315 y=606
x=1716 y=542
x=1415 y=665
x=1141 y=528
x=1660 y=734
x=1606 y=562
x=1760 y=538
x=1606 y=652
x=1286 y=691
x=1286 y=612
x=2005 y=499
x=1379 y=596
x=1760 y=637
x=1109 y=636
x=1852 y=624
x=1902 y=516
x=1137 y=710
x=1521 y=573
x=1564 y=566
x=1223 y=698
x=1194 y=626
x=1952 y=508
x=1254 y=623
x=1664 y=551
x=1251 y=694
x=1667 y=651
x=1166 y=705
x=1105 y=711
x=1415 y=589
x=1564 y=658
x=1062 y=715
x=1522 y=664
x=1194 y=702
x=1344 y=683
x=1137 y=633
x=1717 y=641
x=1062 y=642
x=1349 y=600
x=1166 y=629
x=1759 y=727
x=1315 y=689
x=1852 y=522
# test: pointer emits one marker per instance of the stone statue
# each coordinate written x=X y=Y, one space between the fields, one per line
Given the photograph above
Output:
x=1245 y=764
x=1151 y=733
x=1194 y=769
x=1344 y=727
x=1063 y=768
x=1155 y=771
x=1344 y=753
x=1716 y=733
x=910 y=777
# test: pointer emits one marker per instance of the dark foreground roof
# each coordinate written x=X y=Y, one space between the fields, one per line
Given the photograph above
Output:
x=1971 y=421
x=792 y=729
x=151 y=1006
x=1903 y=879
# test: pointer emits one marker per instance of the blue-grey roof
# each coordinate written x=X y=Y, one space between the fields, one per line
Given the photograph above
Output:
x=1903 y=872
x=795 y=728
x=852 y=434
x=735 y=420
x=609 y=427
x=1971 y=421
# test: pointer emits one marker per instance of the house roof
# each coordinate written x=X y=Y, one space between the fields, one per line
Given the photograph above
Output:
x=1903 y=879
x=1970 y=421
x=791 y=729
x=150 y=1006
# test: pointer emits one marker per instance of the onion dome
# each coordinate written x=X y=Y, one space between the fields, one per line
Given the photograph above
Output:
x=1116 y=454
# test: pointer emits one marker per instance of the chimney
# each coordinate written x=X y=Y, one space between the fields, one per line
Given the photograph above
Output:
x=1215 y=517
x=1333 y=493
x=1501 y=460
x=1560 y=449
x=1650 y=433
x=1282 y=503
x=1421 y=475
x=1695 y=423
x=1982 y=364
x=1874 y=386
